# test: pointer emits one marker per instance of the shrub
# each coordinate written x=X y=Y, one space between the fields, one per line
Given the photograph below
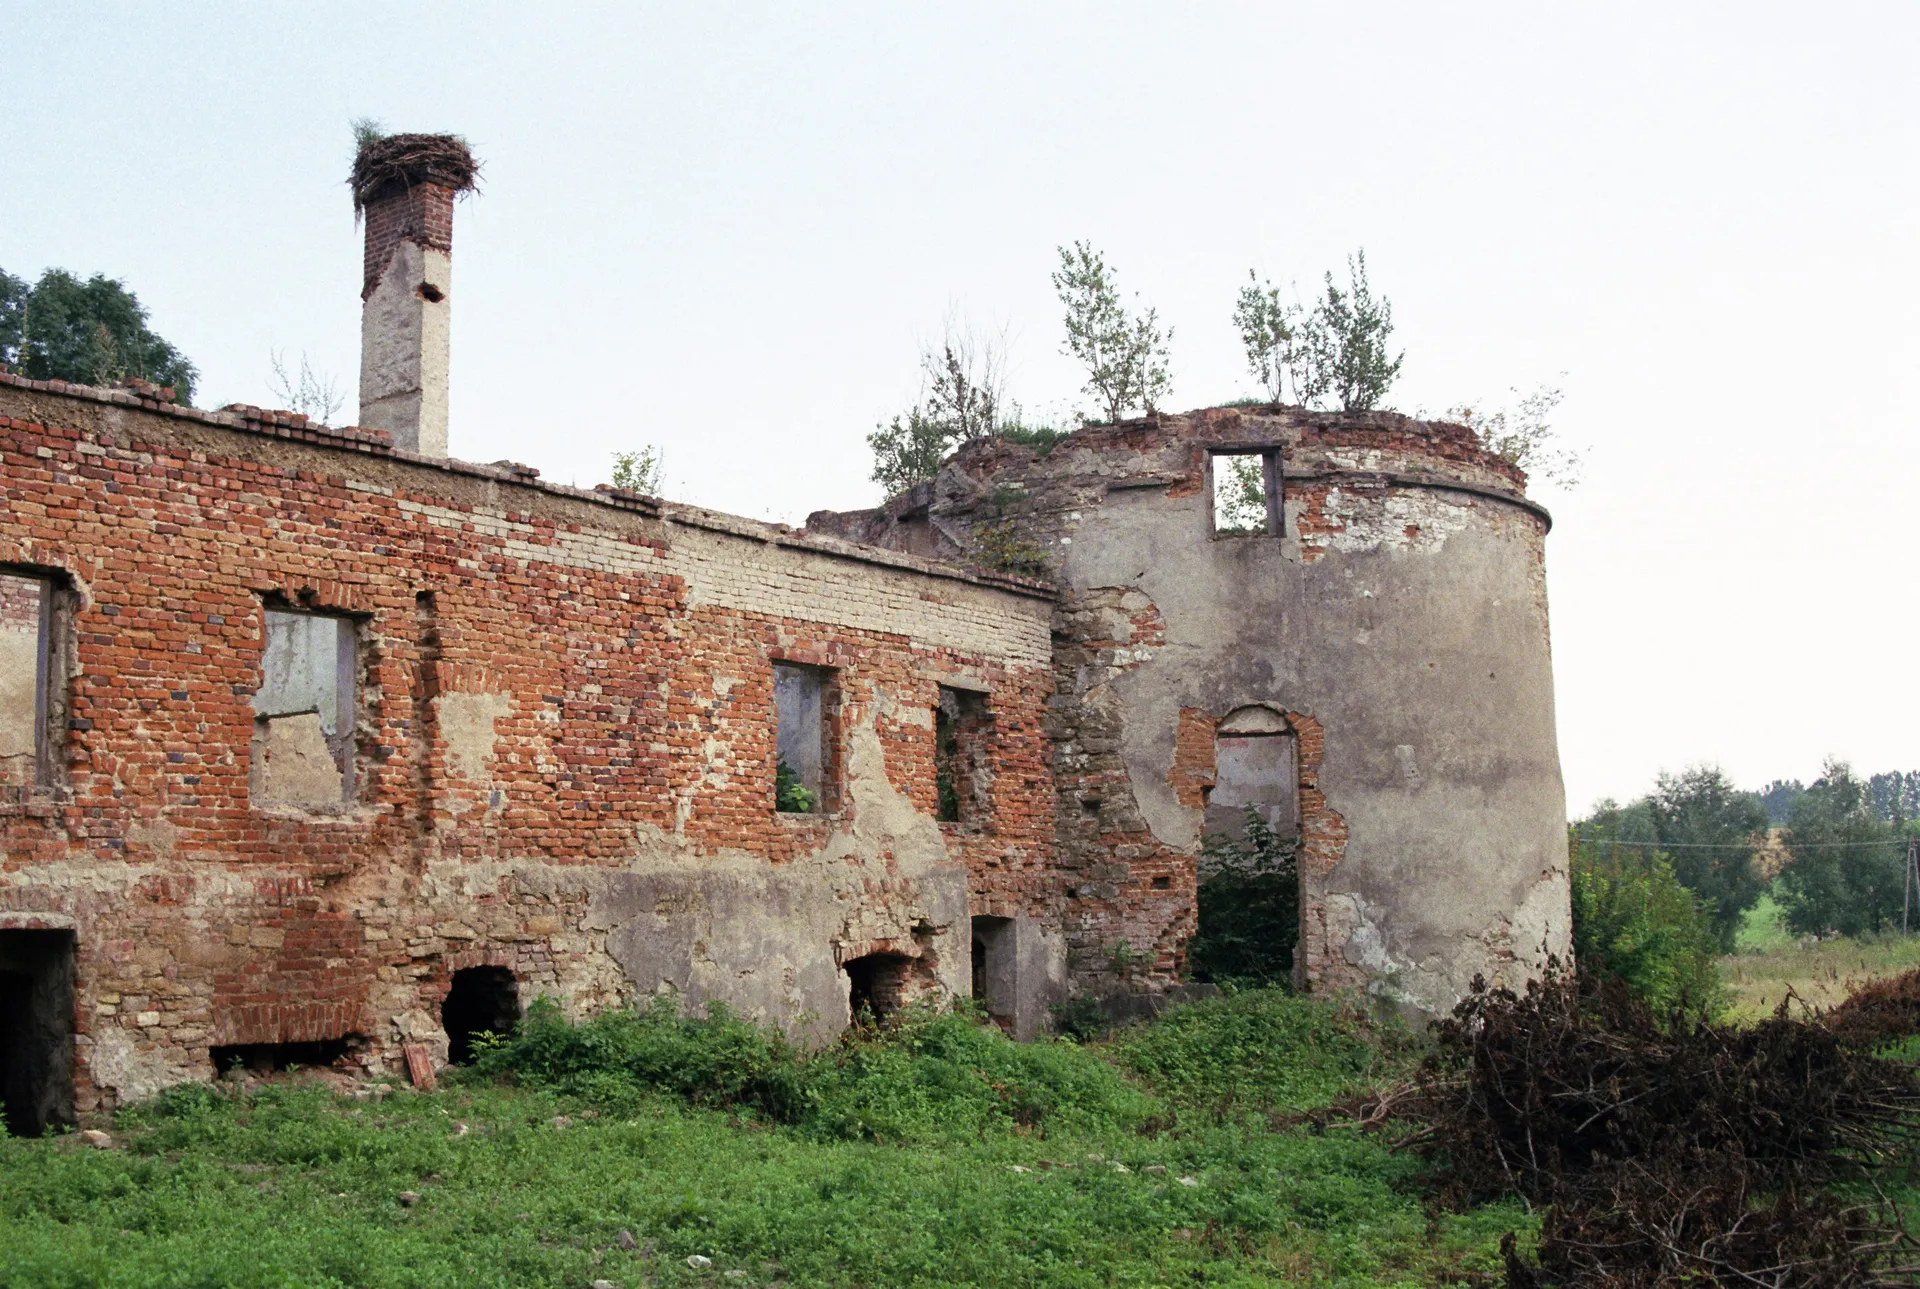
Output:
x=1634 y=922
x=925 y=1076
x=942 y=1076
x=718 y=1060
x=1849 y=868
x=1666 y=1151
x=1257 y=1048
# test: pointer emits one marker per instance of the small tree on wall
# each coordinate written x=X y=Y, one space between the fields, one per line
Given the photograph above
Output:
x=1335 y=353
x=963 y=397
x=1125 y=355
x=1274 y=335
x=1349 y=336
x=639 y=471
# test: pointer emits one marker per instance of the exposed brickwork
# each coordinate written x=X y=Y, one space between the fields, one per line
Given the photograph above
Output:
x=546 y=681
x=423 y=214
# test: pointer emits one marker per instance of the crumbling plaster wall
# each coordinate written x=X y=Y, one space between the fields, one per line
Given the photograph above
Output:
x=1400 y=620
x=562 y=751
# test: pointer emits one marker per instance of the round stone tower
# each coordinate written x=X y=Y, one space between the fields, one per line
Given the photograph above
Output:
x=1336 y=619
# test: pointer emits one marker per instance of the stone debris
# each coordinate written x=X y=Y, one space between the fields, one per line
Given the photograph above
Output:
x=698 y=1261
x=97 y=1139
x=408 y=1198
x=626 y=1241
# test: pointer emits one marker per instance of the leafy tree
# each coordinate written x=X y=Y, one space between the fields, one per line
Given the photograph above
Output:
x=1894 y=797
x=1125 y=356
x=1777 y=799
x=963 y=397
x=639 y=471
x=92 y=333
x=1632 y=919
x=1524 y=435
x=1848 y=868
x=1346 y=343
x=908 y=450
x=1706 y=829
x=1274 y=336
x=1711 y=829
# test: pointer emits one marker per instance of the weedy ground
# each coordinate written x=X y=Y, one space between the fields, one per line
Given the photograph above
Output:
x=1187 y=1151
x=1770 y=961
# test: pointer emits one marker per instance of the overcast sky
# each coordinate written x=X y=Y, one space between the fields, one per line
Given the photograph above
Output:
x=726 y=229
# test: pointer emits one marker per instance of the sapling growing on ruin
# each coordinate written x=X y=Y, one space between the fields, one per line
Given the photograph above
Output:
x=963 y=397
x=1274 y=336
x=306 y=393
x=1523 y=434
x=1125 y=355
x=639 y=471
x=1346 y=343
x=1336 y=352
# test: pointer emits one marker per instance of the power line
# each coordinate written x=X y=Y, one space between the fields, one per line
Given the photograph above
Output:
x=1730 y=845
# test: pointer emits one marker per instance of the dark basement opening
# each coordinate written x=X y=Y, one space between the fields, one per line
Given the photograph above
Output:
x=36 y=1030
x=876 y=985
x=483 y=1000
x=272 y=1058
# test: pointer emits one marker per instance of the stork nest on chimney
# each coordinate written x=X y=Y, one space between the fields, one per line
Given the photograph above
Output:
x=400 y=162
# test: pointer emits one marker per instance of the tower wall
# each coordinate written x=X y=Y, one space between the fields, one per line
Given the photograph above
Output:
x=1396 y=625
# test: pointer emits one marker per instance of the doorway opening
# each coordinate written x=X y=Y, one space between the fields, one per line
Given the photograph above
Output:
x=36 y=1030
x=483 y=1000
x=993 y=967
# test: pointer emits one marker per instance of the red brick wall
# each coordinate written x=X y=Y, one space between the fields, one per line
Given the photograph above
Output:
x=630 y=702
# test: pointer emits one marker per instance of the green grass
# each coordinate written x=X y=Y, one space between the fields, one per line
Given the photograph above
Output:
x=944 y=1155
x=1770 y=961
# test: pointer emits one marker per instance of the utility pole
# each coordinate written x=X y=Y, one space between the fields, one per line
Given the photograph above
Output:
x=1913 y=875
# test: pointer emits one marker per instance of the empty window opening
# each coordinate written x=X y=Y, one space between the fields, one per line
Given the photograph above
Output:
x=36 y=1030
x=960 y=727
x=877 y=986
x=26 y=641
x=993 y=966
x=483 y=1000
x=804 y=700
x=1257 y=768
x=304 y=710
x=1162 y=884
x=273 y=1058
x=1246 y=493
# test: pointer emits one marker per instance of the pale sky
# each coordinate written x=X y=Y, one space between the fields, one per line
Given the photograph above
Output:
x=726 y=229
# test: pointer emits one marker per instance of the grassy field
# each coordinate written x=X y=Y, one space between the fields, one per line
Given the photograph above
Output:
x=1771 y=961
x=943 y=1156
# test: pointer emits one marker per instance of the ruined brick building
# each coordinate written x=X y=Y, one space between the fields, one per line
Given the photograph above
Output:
x=318 y=744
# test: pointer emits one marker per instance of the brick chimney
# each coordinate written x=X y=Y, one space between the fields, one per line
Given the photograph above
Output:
x=404 y=186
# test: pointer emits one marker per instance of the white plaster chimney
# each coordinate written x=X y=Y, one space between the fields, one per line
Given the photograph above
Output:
x=404 y=186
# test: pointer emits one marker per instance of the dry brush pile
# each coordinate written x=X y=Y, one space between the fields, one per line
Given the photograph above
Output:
x=1668 y=1151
